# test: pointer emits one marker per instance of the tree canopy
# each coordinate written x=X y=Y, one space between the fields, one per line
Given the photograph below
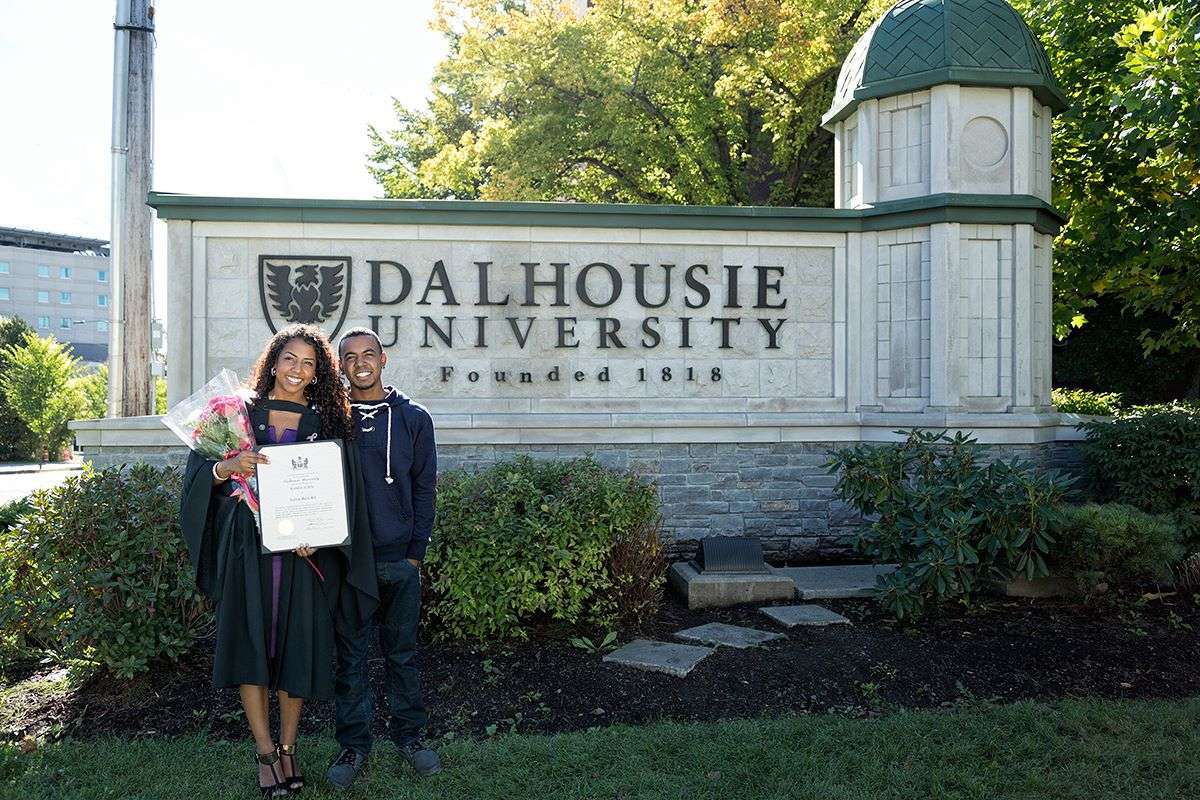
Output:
x=1127 y=160
x=16 y=440
x=645 y=101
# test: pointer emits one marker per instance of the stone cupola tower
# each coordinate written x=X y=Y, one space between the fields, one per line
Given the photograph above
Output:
x=946 y=104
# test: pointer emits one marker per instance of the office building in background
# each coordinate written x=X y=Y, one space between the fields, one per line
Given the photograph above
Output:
x=60 y=285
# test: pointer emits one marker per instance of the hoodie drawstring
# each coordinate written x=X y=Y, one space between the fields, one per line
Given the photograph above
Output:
x=368 y=412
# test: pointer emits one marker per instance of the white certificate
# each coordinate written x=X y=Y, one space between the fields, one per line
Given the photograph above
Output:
x=302 y=496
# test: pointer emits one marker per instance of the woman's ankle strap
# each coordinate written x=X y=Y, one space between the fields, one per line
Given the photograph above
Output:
x=267 y=758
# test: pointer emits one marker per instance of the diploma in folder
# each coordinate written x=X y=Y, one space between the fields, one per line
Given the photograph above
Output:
x=302 y=496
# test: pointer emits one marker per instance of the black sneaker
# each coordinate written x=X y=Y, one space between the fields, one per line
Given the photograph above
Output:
x=345 y=768
x=420 y=757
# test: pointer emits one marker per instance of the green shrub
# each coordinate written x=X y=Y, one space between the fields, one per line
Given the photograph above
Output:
x=13 y=645
x=527 y=541
x=10 y=512
x=1149 y=457
x=949 y=520
x=1081 y=401
x=1113 y=544
x=98 y=571
x=637 y=572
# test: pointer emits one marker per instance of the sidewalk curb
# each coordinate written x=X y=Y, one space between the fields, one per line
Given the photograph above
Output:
x=26 y=469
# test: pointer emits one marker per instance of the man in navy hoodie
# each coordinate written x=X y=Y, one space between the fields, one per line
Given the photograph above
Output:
x=399 y=466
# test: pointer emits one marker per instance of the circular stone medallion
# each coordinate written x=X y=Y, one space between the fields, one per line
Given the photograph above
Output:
x=984 y=142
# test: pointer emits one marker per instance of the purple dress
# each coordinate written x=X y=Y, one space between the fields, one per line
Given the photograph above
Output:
x=287 y=436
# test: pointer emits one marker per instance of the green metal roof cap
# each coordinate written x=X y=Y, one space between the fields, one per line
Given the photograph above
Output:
x=922 y=43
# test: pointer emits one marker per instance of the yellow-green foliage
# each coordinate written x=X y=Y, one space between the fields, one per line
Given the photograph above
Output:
x=1081 y=401
x=37 y=385
x=643 y=101
x=93 y=391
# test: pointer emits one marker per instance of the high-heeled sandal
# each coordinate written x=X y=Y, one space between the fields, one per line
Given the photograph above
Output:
x=279 y=787
x=296 y=782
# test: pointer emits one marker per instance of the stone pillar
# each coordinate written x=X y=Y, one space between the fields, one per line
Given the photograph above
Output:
x=179 y=310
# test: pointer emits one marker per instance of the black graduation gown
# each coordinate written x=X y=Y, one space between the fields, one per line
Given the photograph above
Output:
x=233 y=572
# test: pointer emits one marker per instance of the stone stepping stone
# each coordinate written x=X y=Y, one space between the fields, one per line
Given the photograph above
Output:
x=673 y=659
x=825 y=583
x=810 y=615
x=718 y=633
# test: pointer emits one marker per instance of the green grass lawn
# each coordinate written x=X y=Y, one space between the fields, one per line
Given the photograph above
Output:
x=1077 y=749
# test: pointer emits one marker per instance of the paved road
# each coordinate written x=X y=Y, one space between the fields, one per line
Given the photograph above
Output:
x=20 y=484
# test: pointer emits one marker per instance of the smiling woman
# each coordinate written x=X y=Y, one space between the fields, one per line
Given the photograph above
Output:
x=298 y=367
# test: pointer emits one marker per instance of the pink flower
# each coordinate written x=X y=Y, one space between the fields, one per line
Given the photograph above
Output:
x=226 y=405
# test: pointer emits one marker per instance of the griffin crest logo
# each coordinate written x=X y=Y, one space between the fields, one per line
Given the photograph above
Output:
x=299 y=462
x=312 y=290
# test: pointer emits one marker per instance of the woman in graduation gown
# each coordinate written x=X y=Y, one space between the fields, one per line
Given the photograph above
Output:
x=275 y=613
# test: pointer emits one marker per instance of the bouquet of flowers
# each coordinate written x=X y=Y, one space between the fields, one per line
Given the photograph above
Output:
x=215 y=423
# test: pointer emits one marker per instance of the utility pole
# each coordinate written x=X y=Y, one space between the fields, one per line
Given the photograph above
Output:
x=130 y=387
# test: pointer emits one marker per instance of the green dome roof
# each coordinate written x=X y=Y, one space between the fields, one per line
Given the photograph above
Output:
x=922 y=43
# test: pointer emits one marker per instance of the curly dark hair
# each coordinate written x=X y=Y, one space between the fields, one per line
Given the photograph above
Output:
x=328 y=396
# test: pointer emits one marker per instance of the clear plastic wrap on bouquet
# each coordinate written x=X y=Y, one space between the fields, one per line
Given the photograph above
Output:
x=215 y=423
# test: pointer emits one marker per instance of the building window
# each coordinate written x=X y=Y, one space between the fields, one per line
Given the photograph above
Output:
x=102 y=300
x=43 y=322
x=64 y=298
x=64 y=272
x=65 y=323
x=3 y=267
x=4 y=295
x=102 y=276
x=43 y=297
x=101 y=326
x=43 y=271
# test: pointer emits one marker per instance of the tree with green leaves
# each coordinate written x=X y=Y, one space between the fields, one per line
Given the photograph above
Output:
x=16 y=440
x=37 y=384
x=93 y=392
x=1127 y=161
x=644 y=101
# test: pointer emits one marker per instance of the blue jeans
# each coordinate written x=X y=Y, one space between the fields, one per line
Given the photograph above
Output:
x=396 y=620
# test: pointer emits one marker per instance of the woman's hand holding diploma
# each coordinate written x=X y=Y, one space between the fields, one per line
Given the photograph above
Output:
x=245 y=462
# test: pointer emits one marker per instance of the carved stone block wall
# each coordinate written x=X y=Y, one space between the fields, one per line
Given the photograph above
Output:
x=903 y=313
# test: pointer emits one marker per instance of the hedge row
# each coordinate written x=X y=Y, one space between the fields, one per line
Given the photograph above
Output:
x=96 y=571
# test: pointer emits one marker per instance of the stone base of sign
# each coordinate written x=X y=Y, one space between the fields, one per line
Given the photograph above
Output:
x=708 y=590
x=807 y=615
x=778 y=491
x=673 y=659
x=719 y=634
x=835 y=582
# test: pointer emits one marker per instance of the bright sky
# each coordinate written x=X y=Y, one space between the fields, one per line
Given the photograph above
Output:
x=253 y=97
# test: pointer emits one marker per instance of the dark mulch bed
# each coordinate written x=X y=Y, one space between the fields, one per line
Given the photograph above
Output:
x=1003 y=651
